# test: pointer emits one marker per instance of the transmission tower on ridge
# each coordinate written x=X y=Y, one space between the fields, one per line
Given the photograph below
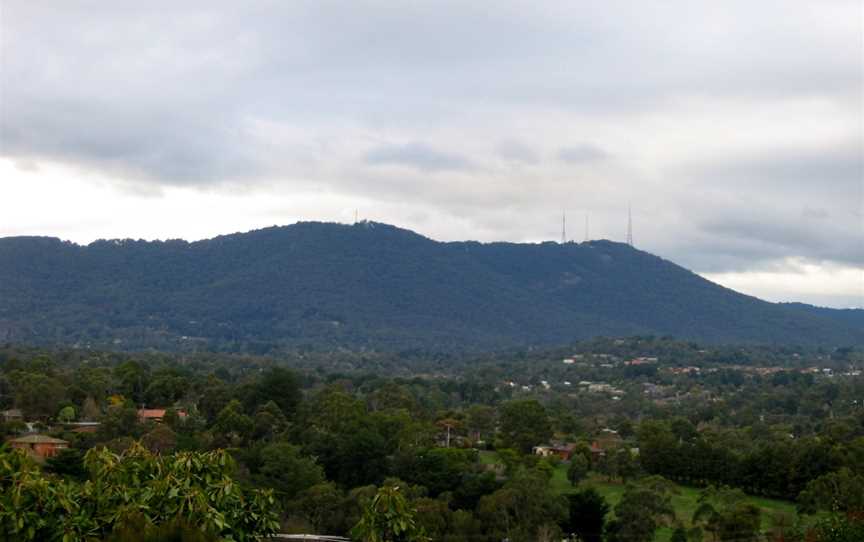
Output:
x=629 y=226
x=563 y=227
x=586 y=227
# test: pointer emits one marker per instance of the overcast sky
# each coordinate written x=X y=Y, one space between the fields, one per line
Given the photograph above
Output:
x=735 y=129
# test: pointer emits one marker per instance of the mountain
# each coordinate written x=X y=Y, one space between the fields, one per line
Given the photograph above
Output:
x=372 y=285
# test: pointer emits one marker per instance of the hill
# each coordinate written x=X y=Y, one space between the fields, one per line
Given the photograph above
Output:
x=372 y=285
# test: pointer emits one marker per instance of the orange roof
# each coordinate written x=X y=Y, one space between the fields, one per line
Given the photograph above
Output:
x=153 y=413
x=37 y=439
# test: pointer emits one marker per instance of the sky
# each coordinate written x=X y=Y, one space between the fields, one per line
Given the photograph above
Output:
x=734 y=130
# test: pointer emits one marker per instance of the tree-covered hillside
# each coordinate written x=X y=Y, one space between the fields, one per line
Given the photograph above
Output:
x=376 y=286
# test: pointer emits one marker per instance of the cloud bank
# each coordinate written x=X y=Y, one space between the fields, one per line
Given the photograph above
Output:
x=733 y=129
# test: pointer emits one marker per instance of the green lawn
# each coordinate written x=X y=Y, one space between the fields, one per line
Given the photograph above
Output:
x=684 y=503
x=489 y=458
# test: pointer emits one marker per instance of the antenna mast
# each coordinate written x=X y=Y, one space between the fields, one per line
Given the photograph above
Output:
x=563 y=227
x=629 y=226
x=586 y=227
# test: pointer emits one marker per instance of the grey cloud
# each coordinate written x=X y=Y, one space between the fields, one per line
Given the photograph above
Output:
x=212 y=93
x=779 y=239
x=419 y=156
x=835 y=168
x=581 y=153
x=80 y=85
x=516 y=151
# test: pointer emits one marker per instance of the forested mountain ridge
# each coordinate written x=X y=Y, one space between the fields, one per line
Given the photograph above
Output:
x=372 y=285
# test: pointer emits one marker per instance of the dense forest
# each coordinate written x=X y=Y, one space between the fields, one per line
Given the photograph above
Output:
x=374 y=286
x=633 y=439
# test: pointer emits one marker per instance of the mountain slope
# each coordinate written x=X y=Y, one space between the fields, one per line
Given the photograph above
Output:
x=372 y=285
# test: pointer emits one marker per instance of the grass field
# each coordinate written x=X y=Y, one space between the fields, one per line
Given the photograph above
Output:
x=684 y=503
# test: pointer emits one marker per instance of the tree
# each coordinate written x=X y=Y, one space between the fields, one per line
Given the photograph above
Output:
x=90 y=410
x=437 y=469
x=433 y=516
x=161 y=439
x=639 y=513
x=287 y=471
x=725 y=513
x=232 y=425
x=66 y=414
x=587 y=515
x=838 y=528
x=355 y=457
x=278 y=385
x=524 y=504
x=841 y=491
x=166 y=389
x=625 y=465
x=323 y=506
x=679 y=534
x=578 y=469
x=118 y=421
x=524 y=424
x=134 y=379
x=268 y=421
x=68 y=463
x=388 y=518
x=133 y=488
x=658 y=448
x=39 y=396
x=215 y=395
x=448 y=425
x=481 y=421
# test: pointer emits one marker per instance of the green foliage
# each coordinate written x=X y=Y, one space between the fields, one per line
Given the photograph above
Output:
x=587 y=515
x=725 y=513
x=437 y=469
x=232 y=425
x=287 y=471
x=132 y=487
x=137 y=529
x=578 y=469
x=388 y=518
x=524 y=504
x=161 y=439
x=838 y=528
x=38 y=395
x=324 y=506
x=524 y=424
x=66 y=414
x=68 y=463
x=374 y=285
x=840 y=491
x=277 y=385
x=641 y=511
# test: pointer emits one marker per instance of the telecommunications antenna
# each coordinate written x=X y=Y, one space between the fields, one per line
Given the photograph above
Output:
x=563 y=227
x=629 y=226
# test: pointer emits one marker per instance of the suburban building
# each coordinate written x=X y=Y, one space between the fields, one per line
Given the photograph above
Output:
x=12 y=415
x=157 y=414
x=83 y=427
x=40 y=446
x=563 y=451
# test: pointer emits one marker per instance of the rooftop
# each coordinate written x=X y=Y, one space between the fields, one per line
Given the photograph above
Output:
x=37 y=439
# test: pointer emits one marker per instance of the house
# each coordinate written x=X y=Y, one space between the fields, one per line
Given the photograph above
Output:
x=41 y=446
x=12 y=415
x=83 y=427
x=597 y=452
x=609 y=439
x=563 y=451
x=157 y=414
